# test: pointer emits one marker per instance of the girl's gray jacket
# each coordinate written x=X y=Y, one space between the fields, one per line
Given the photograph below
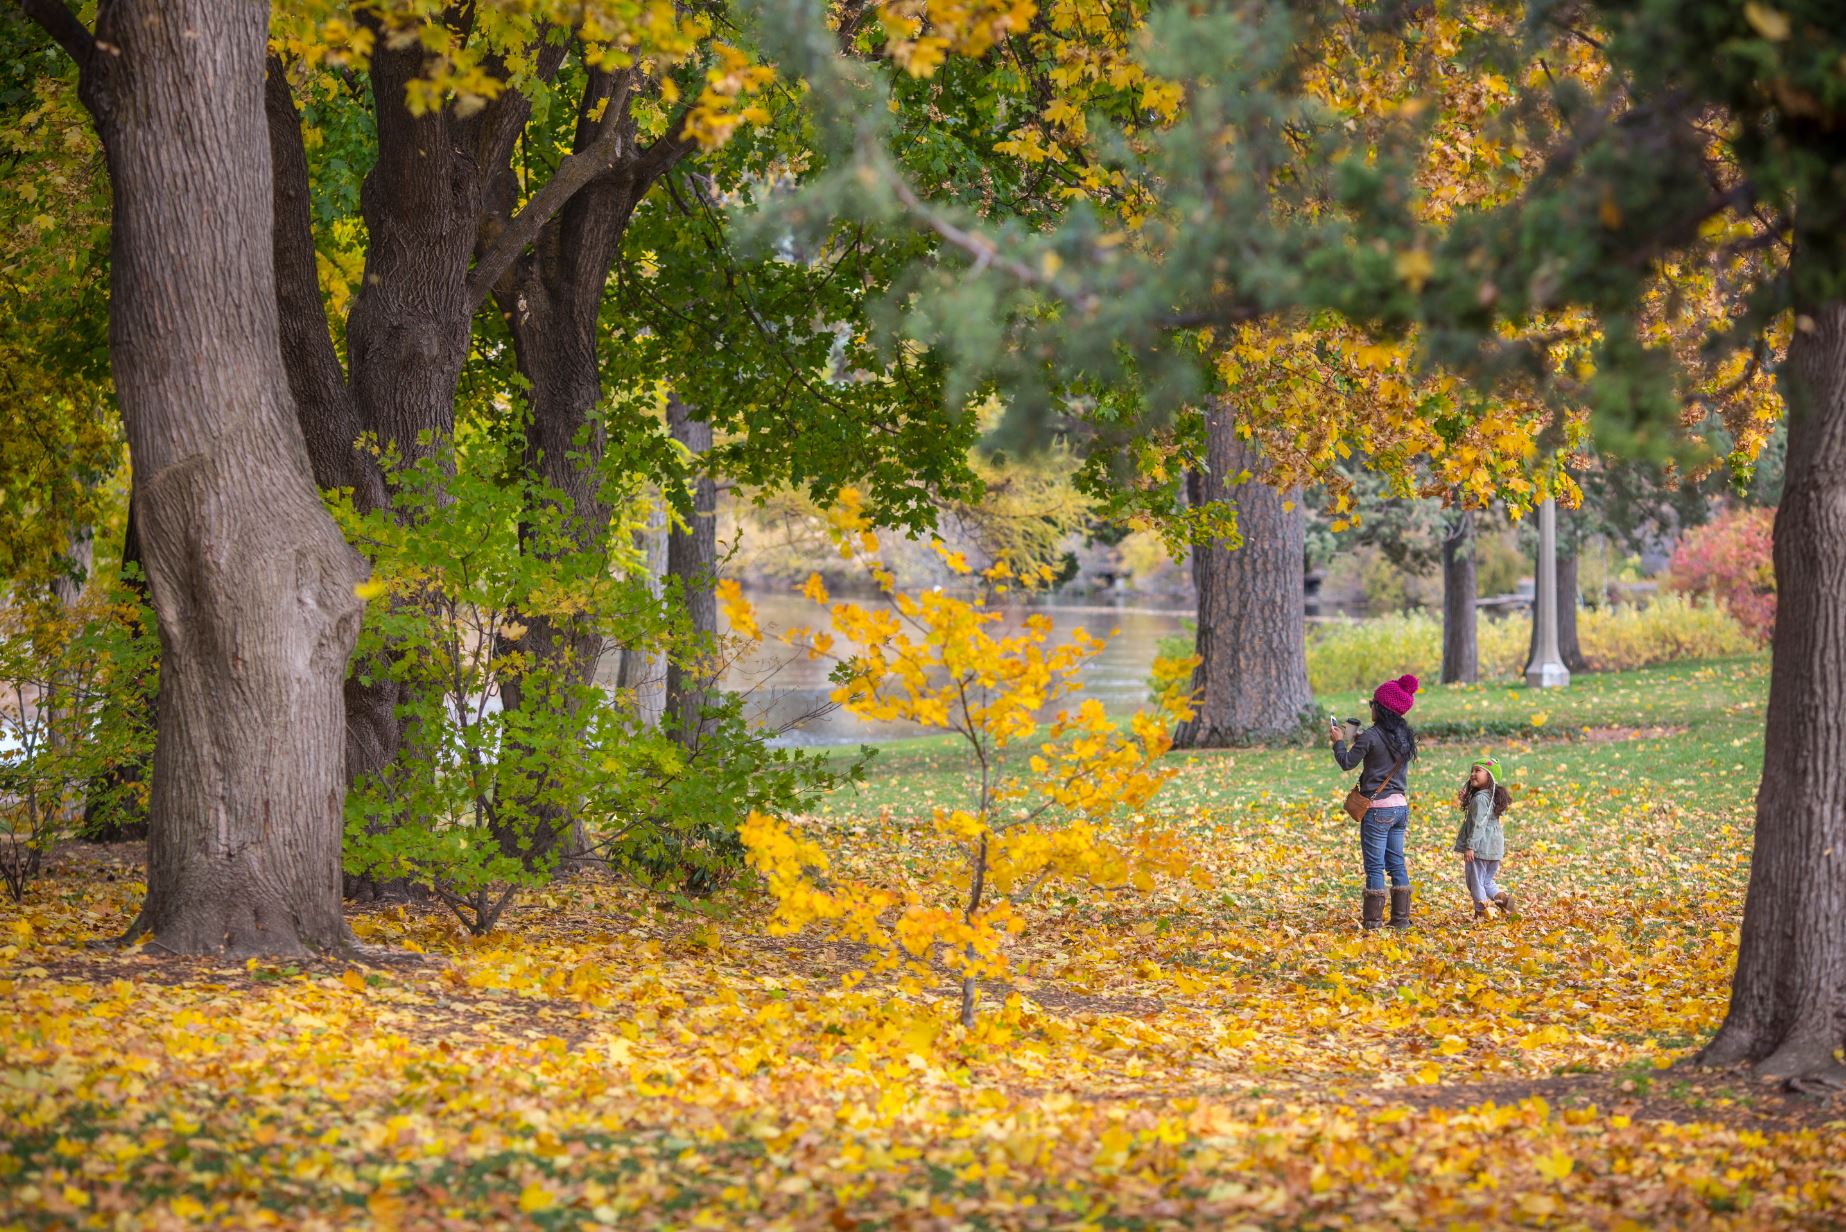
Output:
x=1480 y=830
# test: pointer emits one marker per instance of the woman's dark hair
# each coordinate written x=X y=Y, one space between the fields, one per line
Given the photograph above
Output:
x=1396 y=732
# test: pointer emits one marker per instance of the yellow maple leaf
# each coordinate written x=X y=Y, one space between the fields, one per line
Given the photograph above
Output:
x=1556 y=1165
x=535 y=1197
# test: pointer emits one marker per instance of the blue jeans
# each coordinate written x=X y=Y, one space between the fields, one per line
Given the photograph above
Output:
x=1381 y=842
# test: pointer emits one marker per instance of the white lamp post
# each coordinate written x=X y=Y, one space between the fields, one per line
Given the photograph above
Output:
x=1546 y=670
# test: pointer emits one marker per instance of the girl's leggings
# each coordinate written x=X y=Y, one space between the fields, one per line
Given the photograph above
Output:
x=1479 y=874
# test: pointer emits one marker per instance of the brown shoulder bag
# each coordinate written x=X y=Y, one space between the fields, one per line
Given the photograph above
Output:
x=1358 y=803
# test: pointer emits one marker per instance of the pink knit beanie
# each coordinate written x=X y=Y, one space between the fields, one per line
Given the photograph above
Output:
x=1397 y=696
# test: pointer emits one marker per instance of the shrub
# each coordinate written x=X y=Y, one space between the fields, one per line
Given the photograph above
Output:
x=74 y=687
x=1671 y=628
x=1052 y=818
x=1731 y=560
x=1348 y=656
x=486 y=798
x=1344 y=656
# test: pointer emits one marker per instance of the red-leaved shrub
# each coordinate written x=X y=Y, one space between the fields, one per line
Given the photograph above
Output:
x=1729 y=560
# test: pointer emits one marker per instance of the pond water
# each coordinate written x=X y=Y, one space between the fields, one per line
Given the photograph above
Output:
x=781 y=685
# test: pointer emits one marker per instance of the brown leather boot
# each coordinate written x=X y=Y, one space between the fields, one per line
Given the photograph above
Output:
x=1373 y=913
x=1505 y=902
x=1480 y=911
x=1400 y=906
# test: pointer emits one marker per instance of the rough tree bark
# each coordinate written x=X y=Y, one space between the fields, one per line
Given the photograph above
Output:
x=330 y=419
x=1460 y=634
x=1788 y=997
x=692 y=558
x=251 y=582
x=1252 y=677
x=409 y=329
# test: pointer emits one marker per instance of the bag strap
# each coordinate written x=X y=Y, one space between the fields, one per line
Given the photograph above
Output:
x=1389 y=775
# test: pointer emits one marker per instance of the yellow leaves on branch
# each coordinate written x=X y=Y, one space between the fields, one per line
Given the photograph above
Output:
x=923 y=33
x=1069 y=812
x=1315 y=394
x=723 y=104
x=467 y=70
x=738 y=611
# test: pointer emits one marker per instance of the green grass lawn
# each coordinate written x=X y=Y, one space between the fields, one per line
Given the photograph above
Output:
x=1545 y=737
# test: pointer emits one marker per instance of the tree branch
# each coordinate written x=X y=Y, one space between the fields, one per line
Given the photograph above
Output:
x=62 y=25
x=607 y=153
x=576 y=172
x=323 y=400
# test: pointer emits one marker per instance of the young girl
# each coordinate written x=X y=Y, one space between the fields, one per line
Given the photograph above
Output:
x=1481 y=841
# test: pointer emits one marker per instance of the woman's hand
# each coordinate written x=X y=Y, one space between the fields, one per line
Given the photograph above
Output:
x=1333 y=733
x=1467 y=857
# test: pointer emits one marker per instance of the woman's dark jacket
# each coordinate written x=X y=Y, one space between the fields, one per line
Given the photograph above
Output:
x=1370 y=748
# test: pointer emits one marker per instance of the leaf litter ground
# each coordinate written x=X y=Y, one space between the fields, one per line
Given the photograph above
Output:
x=1237 y=1056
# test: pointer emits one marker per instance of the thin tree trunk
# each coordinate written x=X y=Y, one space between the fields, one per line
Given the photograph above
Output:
x=1788 y=997
x=1460 y=636
x=643 y=670
x=1252 y=677
x=67 y=589
x=251 y=582
x=1570 y=650
x=969 y=985
x=692 y=560
x=552 y=300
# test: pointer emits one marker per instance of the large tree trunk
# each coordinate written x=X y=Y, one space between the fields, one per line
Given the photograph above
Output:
x=692 y=559
x=564 y=448
x=331 y=425
x=408 y=334
x=251 y=583
x=1788 y=997
x=1460 y=640
x=1252 y=677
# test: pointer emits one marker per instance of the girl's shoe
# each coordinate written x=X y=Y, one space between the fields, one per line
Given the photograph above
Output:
x=1504 y=901
x=1400 y=906
x=1480 y=911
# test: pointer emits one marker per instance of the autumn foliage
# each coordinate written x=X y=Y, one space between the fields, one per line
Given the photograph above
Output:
x=1731 y=560
x=1070 y=815
x=1221 y=1049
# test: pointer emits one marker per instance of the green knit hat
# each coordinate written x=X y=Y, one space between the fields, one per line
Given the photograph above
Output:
x=1493 y=766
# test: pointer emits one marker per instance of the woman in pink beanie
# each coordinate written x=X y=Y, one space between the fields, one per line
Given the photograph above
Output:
x=1385 y=749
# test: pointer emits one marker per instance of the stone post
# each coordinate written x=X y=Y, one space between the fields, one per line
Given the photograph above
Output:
x=1546 y=670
